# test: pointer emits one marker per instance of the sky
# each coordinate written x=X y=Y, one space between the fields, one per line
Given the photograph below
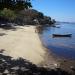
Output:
x=60 y=10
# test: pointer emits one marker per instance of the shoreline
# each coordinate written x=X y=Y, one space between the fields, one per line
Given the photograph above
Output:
x=62 y=62
x=25 y=43
x=16 y=44
x=50 y=60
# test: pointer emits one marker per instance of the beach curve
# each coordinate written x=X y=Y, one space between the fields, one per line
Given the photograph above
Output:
x=25 y=43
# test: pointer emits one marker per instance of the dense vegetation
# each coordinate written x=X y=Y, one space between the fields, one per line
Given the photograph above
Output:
x=20 y=12
x=15 y=4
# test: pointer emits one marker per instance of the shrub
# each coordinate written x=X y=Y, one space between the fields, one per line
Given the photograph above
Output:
x=8 y=14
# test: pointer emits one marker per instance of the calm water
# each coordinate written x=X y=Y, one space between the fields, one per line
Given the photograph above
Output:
x=62 y=46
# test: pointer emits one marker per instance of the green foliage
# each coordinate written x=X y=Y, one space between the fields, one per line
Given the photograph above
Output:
x=5 y=4
x=29 y=16
x=40 y=15
x=7 y=8
x=27 y=4
x=15 y=4
x=19 y=5
x=7 y=13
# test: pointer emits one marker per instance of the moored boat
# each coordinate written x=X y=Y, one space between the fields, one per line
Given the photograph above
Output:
x=62 y=35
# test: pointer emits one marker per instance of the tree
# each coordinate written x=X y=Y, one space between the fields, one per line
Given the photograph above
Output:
x=21 y=4
x=40 y=15
x=5 y=4
x=8 y=14
x=27 y=4
x=15 y=4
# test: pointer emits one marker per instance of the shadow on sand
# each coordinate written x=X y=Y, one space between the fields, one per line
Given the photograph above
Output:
x=2 y=34
x=24 y=67
x=8 y=26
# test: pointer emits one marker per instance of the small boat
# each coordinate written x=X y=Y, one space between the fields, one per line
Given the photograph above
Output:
x=62 y=35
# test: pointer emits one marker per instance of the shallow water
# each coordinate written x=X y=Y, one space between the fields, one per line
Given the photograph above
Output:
x=61 y=46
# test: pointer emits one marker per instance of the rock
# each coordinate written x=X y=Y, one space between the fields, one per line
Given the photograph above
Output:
x=6 y=71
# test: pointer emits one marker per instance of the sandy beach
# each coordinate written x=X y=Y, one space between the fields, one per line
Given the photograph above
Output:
x=25 y=43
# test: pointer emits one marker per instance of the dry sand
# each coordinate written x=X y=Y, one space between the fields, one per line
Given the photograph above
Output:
x=25 y=43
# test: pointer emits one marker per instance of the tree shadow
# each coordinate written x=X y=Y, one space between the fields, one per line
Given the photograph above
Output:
x=21 y=66
x=8 y=26
x=2 y=34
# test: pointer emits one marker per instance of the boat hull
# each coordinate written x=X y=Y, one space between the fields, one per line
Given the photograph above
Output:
x=62 y=35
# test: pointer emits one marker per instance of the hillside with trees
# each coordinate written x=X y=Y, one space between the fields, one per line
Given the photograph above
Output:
x=21 y=13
